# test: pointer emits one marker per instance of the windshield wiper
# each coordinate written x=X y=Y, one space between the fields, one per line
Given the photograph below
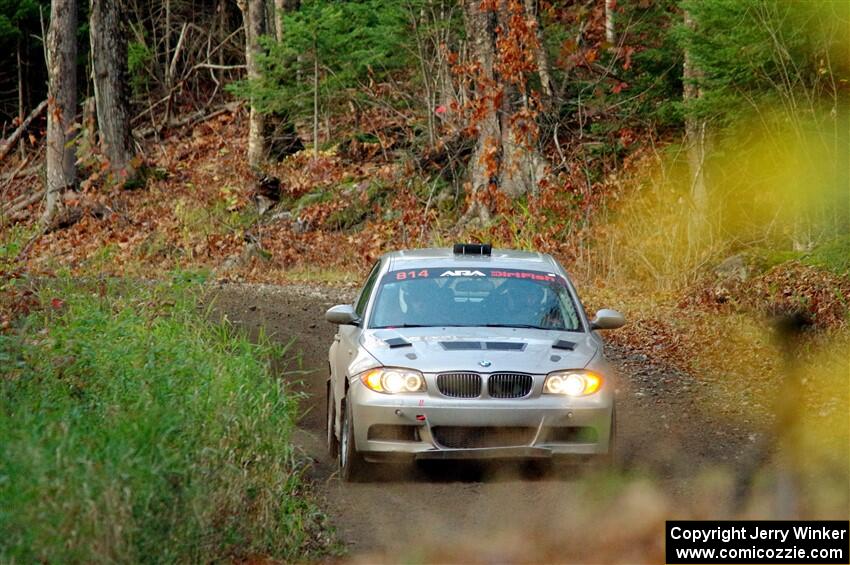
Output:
x=404 y=326
x=526 y=326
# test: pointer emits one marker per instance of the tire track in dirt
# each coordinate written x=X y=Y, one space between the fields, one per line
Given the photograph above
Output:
x=450 y=512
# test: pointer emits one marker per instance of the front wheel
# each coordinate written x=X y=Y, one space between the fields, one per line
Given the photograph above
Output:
x=610 y=459
x=332 y=441
x=352 y=466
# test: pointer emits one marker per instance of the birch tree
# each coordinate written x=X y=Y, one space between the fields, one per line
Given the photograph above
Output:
x=253 y=14
x=696 y=141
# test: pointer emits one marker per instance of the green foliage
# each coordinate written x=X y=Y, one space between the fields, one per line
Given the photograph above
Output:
x=17 y=18
x=765 y=53
x=648 y=64
x=139 y=56
x=634 y=84
x=352 y=42
x=833 y=255
x=12 y=241
x=133 y=430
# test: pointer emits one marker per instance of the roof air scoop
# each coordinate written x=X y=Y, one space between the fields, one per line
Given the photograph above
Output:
x=473 y=249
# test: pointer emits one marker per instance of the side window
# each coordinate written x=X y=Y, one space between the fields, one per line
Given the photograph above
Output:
x=363 y=299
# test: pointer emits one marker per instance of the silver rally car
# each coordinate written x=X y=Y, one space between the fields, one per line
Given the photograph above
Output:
x=467 y=353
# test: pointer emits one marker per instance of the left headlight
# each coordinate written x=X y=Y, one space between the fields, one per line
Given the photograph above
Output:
x=391 y=380
x=572 y=383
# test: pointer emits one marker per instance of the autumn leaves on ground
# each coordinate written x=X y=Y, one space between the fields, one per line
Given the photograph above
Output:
x=700 y=191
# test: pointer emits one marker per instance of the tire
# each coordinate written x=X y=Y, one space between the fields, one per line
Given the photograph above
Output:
x=604 y=461
x=330 y=412
x=610 y=460
x=352 y=466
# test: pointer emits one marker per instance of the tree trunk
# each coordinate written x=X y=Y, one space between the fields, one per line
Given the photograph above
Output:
x=279 y=10
x=253 y=12
x=62 y=95
x=696 y=141
x=108 y=35
x=484 y=164
x=610 y=30
x=21 y=110
x=502 y=157
x=532 y=12
x=315 y=97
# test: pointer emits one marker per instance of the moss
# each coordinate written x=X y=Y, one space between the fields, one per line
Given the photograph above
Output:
x=360 y=207
x=312 y=198
x=833 y=255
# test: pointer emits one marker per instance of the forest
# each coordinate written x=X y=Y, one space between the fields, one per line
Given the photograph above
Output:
x=687 y=161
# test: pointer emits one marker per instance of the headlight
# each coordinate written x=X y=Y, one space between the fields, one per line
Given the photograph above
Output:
x=390 y=380
x=572 y=383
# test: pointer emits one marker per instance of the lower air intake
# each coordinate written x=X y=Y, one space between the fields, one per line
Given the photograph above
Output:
x=457 y=437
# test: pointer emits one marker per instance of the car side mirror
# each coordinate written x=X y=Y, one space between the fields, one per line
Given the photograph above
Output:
x=606 y=319
x=341 y=314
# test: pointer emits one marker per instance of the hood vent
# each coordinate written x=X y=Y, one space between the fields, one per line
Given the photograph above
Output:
x=504 y=346
x=482 y=345
x=395 y=342
x=564 y=344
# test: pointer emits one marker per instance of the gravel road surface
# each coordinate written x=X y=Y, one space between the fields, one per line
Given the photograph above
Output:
x=506 y=513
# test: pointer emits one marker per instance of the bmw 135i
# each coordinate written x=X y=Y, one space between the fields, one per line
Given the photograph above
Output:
x=468 y=353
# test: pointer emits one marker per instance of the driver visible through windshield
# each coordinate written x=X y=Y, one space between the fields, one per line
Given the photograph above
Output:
x=480 y=297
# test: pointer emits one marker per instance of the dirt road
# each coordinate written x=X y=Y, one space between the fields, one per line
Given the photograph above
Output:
x=508 y=513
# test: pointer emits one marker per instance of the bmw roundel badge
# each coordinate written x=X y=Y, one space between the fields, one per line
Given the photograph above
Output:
x=484 y=363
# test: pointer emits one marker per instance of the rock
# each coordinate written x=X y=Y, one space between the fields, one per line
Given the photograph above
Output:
x=301 y=226
x=281 y=216
x=734 y=267
x=266 y=193
x=240 y=260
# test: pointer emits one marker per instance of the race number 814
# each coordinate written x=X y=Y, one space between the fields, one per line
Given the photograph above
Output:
x=404 y=275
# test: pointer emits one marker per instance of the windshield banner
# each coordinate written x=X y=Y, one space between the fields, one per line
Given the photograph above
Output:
x=444 y=273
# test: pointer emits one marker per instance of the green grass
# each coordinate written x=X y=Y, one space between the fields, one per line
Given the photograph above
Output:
x=133 y=430
x=833 y=255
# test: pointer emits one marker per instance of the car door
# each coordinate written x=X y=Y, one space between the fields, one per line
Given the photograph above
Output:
x=346 y=339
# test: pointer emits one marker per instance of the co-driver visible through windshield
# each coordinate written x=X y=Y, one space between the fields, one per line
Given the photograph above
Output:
x=483 y=297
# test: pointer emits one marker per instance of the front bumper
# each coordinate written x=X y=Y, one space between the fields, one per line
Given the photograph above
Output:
x=544 y=426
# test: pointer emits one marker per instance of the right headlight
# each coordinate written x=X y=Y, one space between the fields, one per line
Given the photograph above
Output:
x=392 y=380
x=572 y=383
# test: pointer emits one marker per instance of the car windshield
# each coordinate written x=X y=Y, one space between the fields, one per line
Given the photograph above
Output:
x=480 y=297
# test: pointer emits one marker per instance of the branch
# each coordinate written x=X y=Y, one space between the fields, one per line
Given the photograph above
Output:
x=10 y=142
x=192 y=119
x=32 y=199
x=218 y=67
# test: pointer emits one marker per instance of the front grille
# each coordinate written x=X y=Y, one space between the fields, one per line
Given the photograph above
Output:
x=460 y=385
x=468 y=438
x=509 y=385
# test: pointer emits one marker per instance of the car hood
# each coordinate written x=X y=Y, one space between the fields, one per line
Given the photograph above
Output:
x=440 y=349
